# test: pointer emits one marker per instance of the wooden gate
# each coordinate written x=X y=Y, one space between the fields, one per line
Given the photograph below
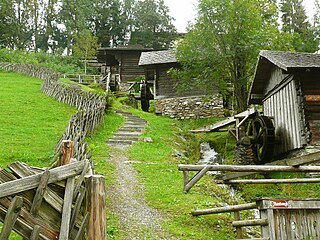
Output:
x=290 y=219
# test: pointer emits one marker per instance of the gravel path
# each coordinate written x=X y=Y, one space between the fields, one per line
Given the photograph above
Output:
x=137 y=219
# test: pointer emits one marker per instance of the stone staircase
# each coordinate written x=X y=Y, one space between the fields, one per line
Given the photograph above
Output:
x=130 y=131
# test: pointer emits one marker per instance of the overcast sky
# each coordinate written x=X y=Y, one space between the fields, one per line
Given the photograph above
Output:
x=185 y=10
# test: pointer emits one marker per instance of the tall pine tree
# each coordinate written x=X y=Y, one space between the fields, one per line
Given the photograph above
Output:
x=295 y=23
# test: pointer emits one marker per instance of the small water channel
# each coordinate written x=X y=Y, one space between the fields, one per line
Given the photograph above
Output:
x=208 y=154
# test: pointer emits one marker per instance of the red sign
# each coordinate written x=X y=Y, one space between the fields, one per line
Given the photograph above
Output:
x=279 y=204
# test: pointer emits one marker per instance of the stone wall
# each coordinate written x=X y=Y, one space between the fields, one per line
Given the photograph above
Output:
x=191 y=107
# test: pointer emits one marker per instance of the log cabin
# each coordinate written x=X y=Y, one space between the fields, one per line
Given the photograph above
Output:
x=122 y=64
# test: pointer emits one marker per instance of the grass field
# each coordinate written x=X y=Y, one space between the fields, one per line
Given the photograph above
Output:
x=30 y=122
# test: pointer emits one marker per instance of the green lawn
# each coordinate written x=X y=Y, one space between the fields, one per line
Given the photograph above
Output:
x=30 y=122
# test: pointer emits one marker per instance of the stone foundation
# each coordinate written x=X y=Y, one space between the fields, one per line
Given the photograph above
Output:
x=191 y=107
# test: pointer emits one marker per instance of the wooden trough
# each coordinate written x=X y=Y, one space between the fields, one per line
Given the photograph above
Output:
x=66 y=202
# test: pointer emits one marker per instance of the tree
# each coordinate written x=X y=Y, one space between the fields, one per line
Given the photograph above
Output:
x=76 y=16
x=85 y=46
x=295 y=23
x=223 y=45
x=7 y=18
x=152 y=25
x=113 y=22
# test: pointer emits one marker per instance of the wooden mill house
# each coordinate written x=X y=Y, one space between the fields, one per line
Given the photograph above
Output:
x=169 y=99
x=120 y=64
x=287 y=85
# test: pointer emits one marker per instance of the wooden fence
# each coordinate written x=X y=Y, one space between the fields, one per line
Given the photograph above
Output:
x=85 y=79
x=66 y=202
x=283 y=219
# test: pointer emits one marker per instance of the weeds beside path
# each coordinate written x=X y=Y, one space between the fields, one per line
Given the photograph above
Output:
x=136 y=218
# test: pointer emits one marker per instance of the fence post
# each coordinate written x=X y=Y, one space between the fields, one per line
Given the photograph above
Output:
x=67 y=151
x=238 y=229
x=96 y=191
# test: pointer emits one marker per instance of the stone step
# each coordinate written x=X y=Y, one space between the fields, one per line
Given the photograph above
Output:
x=119 y=142
x=128 y=133
x=125 y=137
x=131 y=129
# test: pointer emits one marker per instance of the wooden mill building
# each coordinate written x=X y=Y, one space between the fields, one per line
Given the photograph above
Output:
x=156 y=65
x=287 y=85
x=121 y=63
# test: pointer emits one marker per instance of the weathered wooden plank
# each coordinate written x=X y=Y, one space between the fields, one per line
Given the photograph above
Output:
x=67 y=151
x=273 y=181
x=21 y=227
x=96 y=207
x=39 y=193
x=56 y=174
x=83 y=227
x=35 y=233
x=77 y=206
x=196 y=178
x=81 y=178
x=237 y=217
x=27 y=222
x=246 y=223
x=224 y=209
x=296 y=161
x=66 y=210
x=249 y=168
x=11 y=217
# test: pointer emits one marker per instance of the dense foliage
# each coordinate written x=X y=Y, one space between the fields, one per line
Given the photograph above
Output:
x=56 y=25
x=221 y=49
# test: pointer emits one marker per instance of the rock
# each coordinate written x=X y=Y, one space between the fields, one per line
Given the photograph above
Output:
x=148 y=139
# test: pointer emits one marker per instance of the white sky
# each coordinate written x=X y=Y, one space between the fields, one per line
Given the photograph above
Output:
x=185 y=11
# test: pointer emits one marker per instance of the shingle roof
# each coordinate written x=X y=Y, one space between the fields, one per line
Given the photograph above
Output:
x=288 y=60
x=157 y=57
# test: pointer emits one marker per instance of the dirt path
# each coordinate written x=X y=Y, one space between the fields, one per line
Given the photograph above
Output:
x=137 y=219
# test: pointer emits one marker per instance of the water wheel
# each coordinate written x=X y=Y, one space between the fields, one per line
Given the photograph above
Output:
x=261 y=133
x=145 y=97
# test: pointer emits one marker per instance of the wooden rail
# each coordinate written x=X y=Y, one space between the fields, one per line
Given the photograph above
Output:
x=84 y=78
x=203 y=169
x=233 y=208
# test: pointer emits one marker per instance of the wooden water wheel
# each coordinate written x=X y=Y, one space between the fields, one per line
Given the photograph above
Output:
x=261 y=133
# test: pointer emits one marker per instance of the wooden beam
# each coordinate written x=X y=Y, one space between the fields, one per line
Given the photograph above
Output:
x=296 y=161
x=249 y=168
x=81 y=178
x=11 y=217
x=23 y=170
x=67 y=151
x=237 y=217
x=246 y=223
x=83 y=227
x=273 y=181
x=196 y=178
x=96 y=207
x=27 y=183
x=66 y=210
x=233 y=208
x=77 y=206
x=35 y=233
x=37 y=200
